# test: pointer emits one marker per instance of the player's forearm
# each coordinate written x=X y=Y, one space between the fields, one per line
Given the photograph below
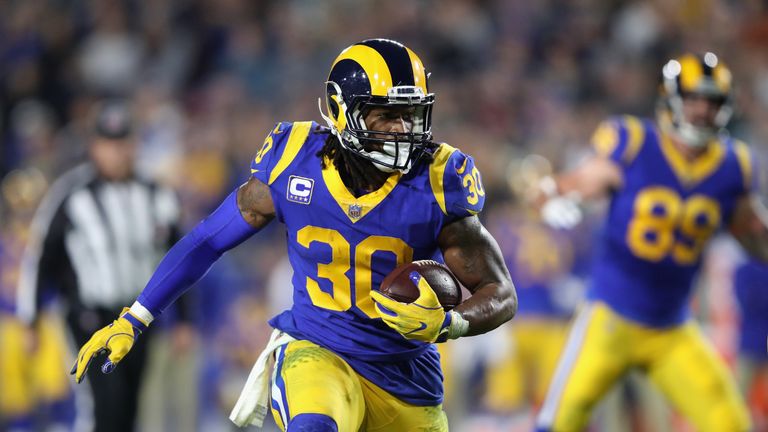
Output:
x=593 y=179
x=757 y=247
x=749 y=225
x=189 y=259
x=754 y=238
x=475 y=258
x=489 y=307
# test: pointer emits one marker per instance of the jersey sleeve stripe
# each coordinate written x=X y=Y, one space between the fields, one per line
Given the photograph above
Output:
x=636 y=135
x=605 y=139
x=296 y=139
x=437 y=172
x=745 y=162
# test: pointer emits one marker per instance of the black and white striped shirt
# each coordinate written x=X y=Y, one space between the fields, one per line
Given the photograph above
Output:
x=95 y=241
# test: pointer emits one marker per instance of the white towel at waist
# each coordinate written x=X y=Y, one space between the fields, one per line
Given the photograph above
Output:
x=251 y=406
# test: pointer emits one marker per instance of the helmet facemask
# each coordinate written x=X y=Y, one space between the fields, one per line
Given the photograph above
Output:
x=389 y=151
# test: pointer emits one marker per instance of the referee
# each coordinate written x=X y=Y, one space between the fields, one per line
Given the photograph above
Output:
x=95 y=239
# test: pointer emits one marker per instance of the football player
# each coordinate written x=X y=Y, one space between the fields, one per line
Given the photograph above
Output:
x=672 y=183
x=359 y=197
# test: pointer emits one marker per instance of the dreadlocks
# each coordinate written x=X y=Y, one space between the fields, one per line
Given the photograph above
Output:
x=357 y=173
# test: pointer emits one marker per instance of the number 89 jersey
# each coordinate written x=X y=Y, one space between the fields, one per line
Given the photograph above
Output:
x=661 y=219
x=341 y=247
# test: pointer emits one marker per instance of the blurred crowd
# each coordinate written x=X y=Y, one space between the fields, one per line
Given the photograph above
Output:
x=209 y=78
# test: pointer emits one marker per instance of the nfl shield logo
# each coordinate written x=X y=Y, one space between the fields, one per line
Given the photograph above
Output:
x=355 y=211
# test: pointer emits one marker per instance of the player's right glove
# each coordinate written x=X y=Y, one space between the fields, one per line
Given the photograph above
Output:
x=423 y=320
x=116 y=339
x=559 y=211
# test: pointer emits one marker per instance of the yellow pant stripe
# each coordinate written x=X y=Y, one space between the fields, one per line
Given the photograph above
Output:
x=563 y=371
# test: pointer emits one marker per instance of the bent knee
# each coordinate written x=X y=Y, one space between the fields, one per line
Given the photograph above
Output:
x=312 y=423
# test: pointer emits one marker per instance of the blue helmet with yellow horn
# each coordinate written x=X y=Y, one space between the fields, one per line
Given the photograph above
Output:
x=379 y=73
x=695 y=75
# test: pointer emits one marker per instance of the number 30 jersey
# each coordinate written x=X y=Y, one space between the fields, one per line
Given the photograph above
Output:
x=661 y=219
x=341 y=247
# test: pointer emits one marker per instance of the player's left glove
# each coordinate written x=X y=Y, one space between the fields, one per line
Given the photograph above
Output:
x=116 y=339
x=423 y=320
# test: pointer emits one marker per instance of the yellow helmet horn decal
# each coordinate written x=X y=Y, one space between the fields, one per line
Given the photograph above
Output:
x=419 y=74
x=373 y=64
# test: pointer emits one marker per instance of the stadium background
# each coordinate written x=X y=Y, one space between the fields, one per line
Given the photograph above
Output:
x=209 y=78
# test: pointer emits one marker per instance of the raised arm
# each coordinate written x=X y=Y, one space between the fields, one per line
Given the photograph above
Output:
x=559 y=198
x=241 y=215
x=592 y=179
x=474 y=257
x=616 y=143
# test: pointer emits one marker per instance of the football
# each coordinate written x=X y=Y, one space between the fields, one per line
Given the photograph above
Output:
x=399 y=286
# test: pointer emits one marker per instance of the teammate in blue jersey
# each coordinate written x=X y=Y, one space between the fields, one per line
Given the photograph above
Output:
x=367 y=193
x=749 y=285
x=672 y=183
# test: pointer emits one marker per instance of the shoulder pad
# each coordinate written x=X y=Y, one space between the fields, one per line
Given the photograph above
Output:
x=279 y=149
x=619 y=138
x=456 y=182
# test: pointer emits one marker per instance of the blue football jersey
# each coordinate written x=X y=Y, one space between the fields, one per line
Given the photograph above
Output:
x=749 y=285
x=341 y=247
x=661 y=219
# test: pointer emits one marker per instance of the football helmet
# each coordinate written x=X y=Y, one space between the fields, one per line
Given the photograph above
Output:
x=700 y=75
x=379 y=73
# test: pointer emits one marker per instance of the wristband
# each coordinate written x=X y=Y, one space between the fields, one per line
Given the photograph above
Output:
x=458 y=327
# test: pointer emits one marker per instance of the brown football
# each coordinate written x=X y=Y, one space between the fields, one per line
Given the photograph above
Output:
x=399 y=286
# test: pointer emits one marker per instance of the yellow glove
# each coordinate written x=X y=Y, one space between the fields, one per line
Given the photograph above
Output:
x=116 y=339
x=423 y=320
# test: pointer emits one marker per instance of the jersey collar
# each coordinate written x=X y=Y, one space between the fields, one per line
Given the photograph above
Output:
x=356 y=207
x=692 y=172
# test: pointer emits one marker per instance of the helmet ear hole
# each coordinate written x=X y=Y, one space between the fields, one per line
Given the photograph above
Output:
x=334 y=107
x=331 y=93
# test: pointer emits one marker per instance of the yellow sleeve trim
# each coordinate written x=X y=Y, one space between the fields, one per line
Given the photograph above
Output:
x=745 y=161
x=636 y=137
x=299 y=134
x=437 y=172
x=605 y=139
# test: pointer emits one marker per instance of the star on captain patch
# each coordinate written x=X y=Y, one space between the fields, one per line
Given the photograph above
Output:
x=355 y=211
